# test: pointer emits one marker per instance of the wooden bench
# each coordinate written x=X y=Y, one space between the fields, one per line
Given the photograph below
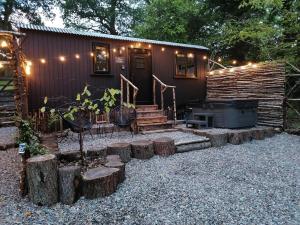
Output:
x=201 y=120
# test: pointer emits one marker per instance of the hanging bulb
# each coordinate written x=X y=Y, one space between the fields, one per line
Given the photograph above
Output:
x=4 y=44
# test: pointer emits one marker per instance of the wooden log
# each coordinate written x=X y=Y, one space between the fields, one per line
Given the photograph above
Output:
x=236 y=138
x=258 y=134
x=69 y=184
x=120 y=165
x=42 y=179
x=99 y=182
x=164 y=146
x=121 y=149
x=142 y=149
x=96 y=153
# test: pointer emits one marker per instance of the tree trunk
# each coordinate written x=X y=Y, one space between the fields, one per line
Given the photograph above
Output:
x=42 y=179
x=69 y=184
x=117 y=164
x=164 y=146
x=142 y=149
x=99 y=182
x=121 y=149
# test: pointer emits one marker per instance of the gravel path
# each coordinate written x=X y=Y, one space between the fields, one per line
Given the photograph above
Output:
x=253 y=183
x=98 y=142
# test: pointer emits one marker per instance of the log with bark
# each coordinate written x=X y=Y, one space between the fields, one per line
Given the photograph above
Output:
x=121 y=149
x=164 y=146
x=142 y=149
x=115 y=163
x=99 y=182
x=42 y=179
x=69 y=184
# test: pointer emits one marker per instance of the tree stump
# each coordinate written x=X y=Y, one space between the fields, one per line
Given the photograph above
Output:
x=120 y=165
x=164 y=146
x=113 y=157
x=258 y=134
x=142 y=149
x=236 y=138
x=69 y=184
x=96 y=153
x=99 y=182
x=42 y=179
x=121 y=149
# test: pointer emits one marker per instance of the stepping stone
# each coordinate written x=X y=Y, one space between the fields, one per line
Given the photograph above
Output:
x=142 y=149
x=121 y=149
x=164 y=146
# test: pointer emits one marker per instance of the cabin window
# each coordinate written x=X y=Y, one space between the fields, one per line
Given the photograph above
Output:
x=185 y=65
x=101 y=58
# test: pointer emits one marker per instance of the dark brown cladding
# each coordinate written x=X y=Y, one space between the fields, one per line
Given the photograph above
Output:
x=56 y=78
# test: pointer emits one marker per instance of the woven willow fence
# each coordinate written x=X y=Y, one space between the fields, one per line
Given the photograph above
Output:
x=263 y=81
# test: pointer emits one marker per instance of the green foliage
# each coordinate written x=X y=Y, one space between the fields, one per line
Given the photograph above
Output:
x=245 y=30
x=106 y=16
x=30 y=138
x=109 y=98
x=14 y=11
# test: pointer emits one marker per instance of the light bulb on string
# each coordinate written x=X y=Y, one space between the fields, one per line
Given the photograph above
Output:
x=1 y=66
x=219 y=59
x=4 y=44
x=77 y=56
x=204 y=57
x=43 y=61
x=163 y=49
x=234 y=62
x=62 y=58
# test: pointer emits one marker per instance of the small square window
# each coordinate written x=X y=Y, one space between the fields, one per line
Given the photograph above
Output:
x=185 y=65
x=101 y=58
x=139 y=62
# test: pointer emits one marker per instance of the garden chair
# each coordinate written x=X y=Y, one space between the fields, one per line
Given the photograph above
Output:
x=123 y=117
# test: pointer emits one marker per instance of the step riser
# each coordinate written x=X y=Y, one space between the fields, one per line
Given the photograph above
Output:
x=151 y=120
x=142 y=108
x=149 y=114
x=155 y=127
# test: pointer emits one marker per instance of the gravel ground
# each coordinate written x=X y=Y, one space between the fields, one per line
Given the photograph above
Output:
x=253 y=183
x=98 y=142
x=8 y=135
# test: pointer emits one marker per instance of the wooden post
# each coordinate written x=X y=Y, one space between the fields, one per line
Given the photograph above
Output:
x=127 y=87
x=122 y=91
x=162 y=98
x=154 y=92
x=174 y=105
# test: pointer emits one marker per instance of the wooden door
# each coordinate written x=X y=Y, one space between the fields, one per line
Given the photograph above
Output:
x=141 y=74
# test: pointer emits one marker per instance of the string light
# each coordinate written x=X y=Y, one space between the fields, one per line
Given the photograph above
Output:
x=92 y=54
x=176 y=52
x=250 y=64
x=28 y=65
x=254 y=65
x=163 y=49
x=123 y=48
x=211 y=73
x=149 y=46
x=190 y=55
x=114 y=50
x=131 y=46
x=4 y=44
x=1 y=65
x=231 y=70
x=219 y=59
x=220 y=72
x=204 y=57
x=139 y=44
x=62 y=58
x=77 y=56
x=43 y=61
x=234 y=62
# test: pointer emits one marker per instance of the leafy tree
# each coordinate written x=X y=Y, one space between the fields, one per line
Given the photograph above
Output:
x=107 y=16
x=13 y=11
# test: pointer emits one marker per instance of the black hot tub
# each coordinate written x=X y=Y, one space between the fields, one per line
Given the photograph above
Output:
x=237 y=113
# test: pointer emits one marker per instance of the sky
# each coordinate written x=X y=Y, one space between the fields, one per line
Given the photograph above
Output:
x=56 y=22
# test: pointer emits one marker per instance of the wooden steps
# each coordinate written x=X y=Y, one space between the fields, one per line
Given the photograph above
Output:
x=7 y=108
x=149 y=117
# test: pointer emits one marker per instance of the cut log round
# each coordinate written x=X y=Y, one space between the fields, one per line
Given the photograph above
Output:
x=121 y=149
x=96 y=153
x=42 y=179
x=164 y=146
x=99 y=182
x=69 y=184
x=120 y=165
x=142 y=149
x=113 y=158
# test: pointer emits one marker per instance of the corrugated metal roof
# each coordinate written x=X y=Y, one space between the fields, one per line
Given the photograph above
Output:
x=101 y=35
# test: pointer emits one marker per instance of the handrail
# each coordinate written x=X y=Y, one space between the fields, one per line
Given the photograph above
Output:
x=128 y=84
x=163 y=88
x=162 y=83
